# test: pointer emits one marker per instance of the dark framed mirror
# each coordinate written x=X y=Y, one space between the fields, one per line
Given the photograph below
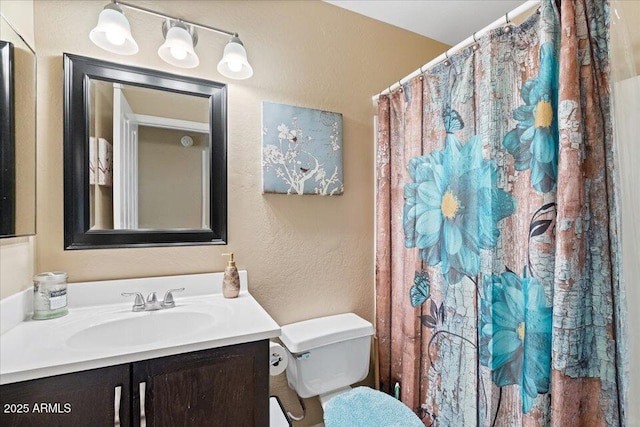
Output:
x=17 y=134
x=145 y=157
x=7 y=142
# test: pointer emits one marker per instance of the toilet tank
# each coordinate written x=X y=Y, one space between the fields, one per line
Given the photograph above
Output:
x=327 y=353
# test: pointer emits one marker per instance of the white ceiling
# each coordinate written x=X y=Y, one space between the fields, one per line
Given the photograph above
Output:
x=448 y=21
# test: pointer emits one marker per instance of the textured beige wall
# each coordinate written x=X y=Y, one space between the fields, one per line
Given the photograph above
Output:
x=306 y=256
x=20 y=15
x=17 y=255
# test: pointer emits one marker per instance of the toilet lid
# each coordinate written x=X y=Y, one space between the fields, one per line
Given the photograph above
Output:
x=365 y=407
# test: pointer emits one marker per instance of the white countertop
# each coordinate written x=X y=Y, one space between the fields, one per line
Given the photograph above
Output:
x=40 y=348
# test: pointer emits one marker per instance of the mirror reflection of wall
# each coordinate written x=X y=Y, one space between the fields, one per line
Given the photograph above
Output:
x=179 y=157
x=148 y=158
x=18 y=213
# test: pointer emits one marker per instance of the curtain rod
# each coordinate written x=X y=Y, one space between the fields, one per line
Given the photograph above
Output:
x=520 y=10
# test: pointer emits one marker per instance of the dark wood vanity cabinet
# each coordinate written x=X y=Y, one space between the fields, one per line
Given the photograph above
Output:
x=226 y=386
x=85 y=398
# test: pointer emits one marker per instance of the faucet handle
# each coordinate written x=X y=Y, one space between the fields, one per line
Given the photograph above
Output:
x=168 y=301
x=138 y=304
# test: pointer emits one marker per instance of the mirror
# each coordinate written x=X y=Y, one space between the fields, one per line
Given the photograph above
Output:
x=148 y=158
x=145 y=157
x=17 y=134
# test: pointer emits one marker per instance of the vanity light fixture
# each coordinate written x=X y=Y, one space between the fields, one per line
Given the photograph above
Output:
x=234 y=62
x=180 y=39
x=113 y=34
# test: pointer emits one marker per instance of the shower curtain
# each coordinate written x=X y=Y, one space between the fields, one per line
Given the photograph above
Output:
x=497 y=282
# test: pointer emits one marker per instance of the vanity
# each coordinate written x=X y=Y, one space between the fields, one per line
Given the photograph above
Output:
x=202 y=362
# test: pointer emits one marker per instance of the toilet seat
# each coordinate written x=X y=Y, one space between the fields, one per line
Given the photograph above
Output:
x=365 y=407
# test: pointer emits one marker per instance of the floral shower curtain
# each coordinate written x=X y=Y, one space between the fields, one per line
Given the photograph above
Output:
x=497 y=255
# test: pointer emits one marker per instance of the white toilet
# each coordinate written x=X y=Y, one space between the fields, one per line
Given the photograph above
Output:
x=326 y=356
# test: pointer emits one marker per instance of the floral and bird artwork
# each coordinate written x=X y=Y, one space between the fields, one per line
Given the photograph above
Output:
x=301 y=150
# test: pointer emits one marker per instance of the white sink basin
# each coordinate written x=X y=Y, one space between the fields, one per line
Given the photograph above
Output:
x=143 y=328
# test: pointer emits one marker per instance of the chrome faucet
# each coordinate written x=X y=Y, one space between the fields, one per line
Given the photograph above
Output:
x=152 y=302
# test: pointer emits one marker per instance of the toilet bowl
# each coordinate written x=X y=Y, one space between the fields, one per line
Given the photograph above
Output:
x=326 y=356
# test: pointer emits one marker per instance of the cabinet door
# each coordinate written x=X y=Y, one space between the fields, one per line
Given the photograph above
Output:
x=227 y=387
x=87 y=398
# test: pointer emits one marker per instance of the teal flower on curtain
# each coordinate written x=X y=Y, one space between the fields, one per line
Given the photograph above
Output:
x=534 y=142
x=515 y=334
x=453 y=206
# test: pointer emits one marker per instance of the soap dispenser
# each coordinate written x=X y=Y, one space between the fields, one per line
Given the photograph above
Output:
x=231 y=280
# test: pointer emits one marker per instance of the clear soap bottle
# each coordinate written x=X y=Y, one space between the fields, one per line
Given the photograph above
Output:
x=231 y=280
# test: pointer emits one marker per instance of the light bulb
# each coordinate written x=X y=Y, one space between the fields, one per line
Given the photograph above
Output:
x=178 y=53
x=235 y=66
x=116 y=38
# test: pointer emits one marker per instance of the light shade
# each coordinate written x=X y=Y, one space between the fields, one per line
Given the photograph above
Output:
x=178 y=46
x=113 y=32
x=234 y=62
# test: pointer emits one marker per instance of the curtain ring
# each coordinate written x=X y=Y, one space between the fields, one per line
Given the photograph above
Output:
x=475 y=40
x=507 y=28
x=421 y=73
x=400 y=84
x=446 y=58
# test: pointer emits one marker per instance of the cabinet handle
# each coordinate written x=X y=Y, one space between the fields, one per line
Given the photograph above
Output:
x=117 y=400
x=143 y=391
